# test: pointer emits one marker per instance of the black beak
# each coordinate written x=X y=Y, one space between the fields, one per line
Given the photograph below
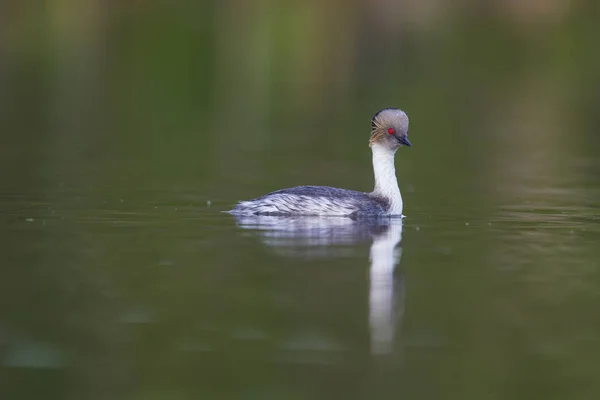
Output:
x=404 y=140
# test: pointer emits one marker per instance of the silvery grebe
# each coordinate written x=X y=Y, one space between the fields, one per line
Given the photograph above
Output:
x=389 y=131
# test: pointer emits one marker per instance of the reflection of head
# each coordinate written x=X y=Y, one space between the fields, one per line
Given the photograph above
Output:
x=328 y=237
x=386 y=293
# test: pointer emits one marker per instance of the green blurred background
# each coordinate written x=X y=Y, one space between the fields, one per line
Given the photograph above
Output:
x=107 y=92
x=127 y=126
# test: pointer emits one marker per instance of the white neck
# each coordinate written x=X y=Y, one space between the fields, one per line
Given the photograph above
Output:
x=386 y=184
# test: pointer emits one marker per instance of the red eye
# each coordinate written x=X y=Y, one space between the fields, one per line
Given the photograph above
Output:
x=391 y=131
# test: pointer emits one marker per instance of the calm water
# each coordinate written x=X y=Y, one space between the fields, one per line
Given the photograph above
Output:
x=146 y=293
x=126 y=130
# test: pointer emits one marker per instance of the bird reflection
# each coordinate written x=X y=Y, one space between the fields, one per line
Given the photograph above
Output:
x=330 y=237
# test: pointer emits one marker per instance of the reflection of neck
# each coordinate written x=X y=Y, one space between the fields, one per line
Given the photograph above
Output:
x=381 y=290
x=386 y=184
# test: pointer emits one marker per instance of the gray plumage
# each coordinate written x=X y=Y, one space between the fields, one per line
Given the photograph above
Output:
x=314 y=200
x=389 y=130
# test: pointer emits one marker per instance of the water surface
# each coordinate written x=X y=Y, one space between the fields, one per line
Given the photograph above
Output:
x=159 y=293
x=126 y=130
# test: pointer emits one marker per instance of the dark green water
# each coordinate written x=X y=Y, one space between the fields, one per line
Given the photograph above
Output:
x=139 y=293
x=126 y=131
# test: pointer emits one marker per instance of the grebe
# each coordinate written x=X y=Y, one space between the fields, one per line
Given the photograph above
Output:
x=389 y=131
